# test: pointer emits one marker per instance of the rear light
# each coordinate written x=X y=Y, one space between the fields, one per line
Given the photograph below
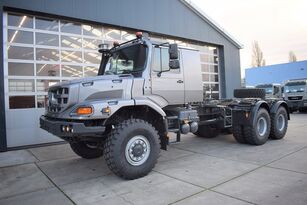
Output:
x=84 y=111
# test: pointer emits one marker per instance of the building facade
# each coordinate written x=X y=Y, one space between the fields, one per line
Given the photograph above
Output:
x=279 y=73
x=46 y=41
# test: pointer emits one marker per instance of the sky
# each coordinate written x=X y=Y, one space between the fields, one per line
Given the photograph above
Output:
x=279 y=26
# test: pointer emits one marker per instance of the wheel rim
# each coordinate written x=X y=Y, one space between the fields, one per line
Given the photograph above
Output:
x=281 y=122
x=262 y=126
x=137 y=150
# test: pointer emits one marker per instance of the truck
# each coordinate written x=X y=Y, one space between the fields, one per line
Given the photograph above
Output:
x=144 y=91
x=272 y=90
x=295 y=94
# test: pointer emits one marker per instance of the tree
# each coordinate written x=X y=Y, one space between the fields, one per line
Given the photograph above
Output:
x=257 y=55
x=292 y=57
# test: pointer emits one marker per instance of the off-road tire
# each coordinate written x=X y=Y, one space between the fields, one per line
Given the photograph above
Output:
x=249 y=93
x=115 y=146
x=238 y=134
x=251 y=133
x=275 y=132
x=207 y=131
x=82 y=149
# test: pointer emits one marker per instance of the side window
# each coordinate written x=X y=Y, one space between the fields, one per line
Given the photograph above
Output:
x=164 y=59
x=156 y=60
x=161 y=61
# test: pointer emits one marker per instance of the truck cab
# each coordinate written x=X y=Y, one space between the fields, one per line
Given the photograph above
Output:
x=272 y=90
x=295 y=93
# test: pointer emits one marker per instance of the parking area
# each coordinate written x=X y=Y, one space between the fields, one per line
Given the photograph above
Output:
x=194 y=171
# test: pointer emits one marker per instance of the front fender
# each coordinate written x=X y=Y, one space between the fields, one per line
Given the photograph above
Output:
x=148 y=102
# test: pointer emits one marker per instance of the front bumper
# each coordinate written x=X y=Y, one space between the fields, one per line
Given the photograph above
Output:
x=295 y=105
x=77 y=129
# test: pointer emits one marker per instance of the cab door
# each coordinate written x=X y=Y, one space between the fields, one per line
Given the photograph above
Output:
x=165 y=82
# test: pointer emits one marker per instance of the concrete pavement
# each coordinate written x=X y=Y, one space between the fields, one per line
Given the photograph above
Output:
x=195 y=171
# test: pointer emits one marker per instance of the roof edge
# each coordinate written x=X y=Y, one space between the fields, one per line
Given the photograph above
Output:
x=211 y=22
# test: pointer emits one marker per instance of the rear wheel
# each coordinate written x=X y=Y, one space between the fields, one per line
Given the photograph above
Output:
x=86 y=150
x=279 y=124
x=132 y=148
x=259 y=132
x=207 y=131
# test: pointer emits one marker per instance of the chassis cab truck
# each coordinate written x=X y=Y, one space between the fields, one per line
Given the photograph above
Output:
x=145 y=90
x=295 y=93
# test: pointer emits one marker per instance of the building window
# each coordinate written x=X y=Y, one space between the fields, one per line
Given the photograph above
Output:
x=210 y=71
x=22 y=102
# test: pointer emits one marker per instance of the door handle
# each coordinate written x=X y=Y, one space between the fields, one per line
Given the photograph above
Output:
x=179 y=81
x=117 y=81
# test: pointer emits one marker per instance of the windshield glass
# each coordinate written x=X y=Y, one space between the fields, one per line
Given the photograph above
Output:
x=293 y=87
x=129 y=60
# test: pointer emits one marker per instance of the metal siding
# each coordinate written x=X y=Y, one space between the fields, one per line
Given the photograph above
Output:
x=3 y=144
x=166 y=17
x=276 y=73
x=232 y=70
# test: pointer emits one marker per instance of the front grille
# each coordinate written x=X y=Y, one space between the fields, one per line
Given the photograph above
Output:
x=58 y=99
x=295 y=98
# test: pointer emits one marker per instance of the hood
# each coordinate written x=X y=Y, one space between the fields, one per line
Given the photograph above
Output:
x=87 y=79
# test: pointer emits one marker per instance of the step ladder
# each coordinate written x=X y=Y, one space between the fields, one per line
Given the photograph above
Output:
x=174 y=126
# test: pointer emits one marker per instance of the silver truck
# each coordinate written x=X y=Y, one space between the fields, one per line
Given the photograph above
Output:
x=295 y=94
x=144 y=91
x=272 y=90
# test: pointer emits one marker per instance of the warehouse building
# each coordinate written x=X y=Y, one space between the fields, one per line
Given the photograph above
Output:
x=278 y=73
x=46 y=41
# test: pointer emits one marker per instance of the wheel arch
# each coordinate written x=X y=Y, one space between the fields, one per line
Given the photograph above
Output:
x=279 y=104
x=260 y=104
x=144 y=112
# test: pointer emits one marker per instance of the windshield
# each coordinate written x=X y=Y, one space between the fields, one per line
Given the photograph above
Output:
x=293 y=87
x=268 y=90
x=129 y=60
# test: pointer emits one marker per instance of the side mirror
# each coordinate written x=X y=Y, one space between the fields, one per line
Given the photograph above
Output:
x=173 y=51
x=174 y=64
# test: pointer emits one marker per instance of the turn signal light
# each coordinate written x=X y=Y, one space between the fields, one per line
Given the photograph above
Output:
x=106 y=110
x=84 y=110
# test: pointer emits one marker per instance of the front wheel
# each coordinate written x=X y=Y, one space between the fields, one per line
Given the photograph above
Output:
x=132 y=148
x=279 y=124
x=86 y=150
